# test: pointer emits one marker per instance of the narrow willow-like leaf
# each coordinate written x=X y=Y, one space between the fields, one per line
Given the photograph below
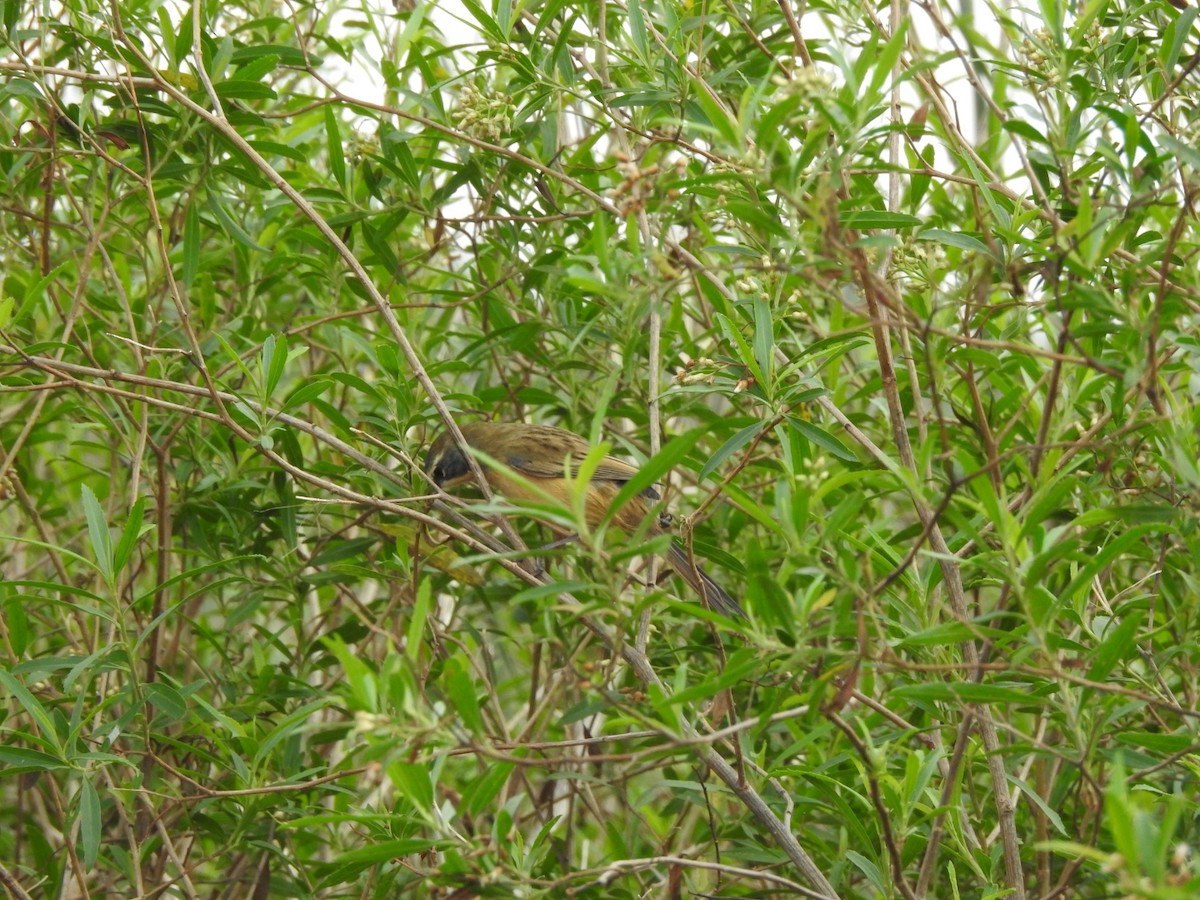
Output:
x=654 y=469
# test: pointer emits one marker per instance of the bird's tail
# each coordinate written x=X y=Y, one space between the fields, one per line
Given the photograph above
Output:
x=714 y=595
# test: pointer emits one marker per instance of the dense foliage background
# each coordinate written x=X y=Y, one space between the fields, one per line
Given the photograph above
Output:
x=900 y=303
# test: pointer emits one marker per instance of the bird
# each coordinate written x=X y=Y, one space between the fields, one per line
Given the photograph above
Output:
x=542 y=455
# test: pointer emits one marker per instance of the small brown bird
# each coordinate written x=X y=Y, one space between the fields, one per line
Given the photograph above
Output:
x=542 y=455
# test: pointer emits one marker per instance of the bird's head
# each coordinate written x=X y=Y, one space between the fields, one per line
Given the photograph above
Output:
x=445 y=463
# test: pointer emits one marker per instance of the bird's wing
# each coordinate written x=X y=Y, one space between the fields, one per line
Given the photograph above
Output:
x=609 y=468
x=566 y=450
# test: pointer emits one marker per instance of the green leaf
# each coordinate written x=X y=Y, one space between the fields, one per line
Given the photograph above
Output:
x=716 y=118
x=1156 y=743
x=35 y=293
x=333 y=145
x=945 y=634
x=871 y=870
x=734 y=250
x=637 y=29
x=1039 y=801
x=191 y=245
x=20 y=88
x=1022 y=128
x=129 y=534
x=653 y=470
x=99 y=535
x=307 y=391
x=731 y=446
x=487 y=24
x=28 y=760
x=1174 y=37
x=463 y=695
x=920 y=180
x=585 y=710
x=16 y=621
x=1117 y=645
x=274 y=148
x=821 y=438
x=244 y=90
x=745 y=354
x=481 y=794
x=1184 y=150
x=411 y=32
x=969 y=692
x=418 y=621
x=413 y=781
x=764 y=342
x=385 y=851
x=281 y=54
x=553 y=589
x=1105 y=555
x=998 y=212
x=863 y=219
x=234 y=357
x=955 y=239
x=90 y=827
x=232 y=228
x=883 y=61
x=736 y=670
x=167 y=701
x=754 y=214
x=256 y=68
x=272 y=362
x=1120 y=814
x=1132 y=513
x=836 y=346
x=46 y=730
x=641 y=98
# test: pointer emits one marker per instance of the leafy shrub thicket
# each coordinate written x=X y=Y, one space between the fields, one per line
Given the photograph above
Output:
x=899 y=304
